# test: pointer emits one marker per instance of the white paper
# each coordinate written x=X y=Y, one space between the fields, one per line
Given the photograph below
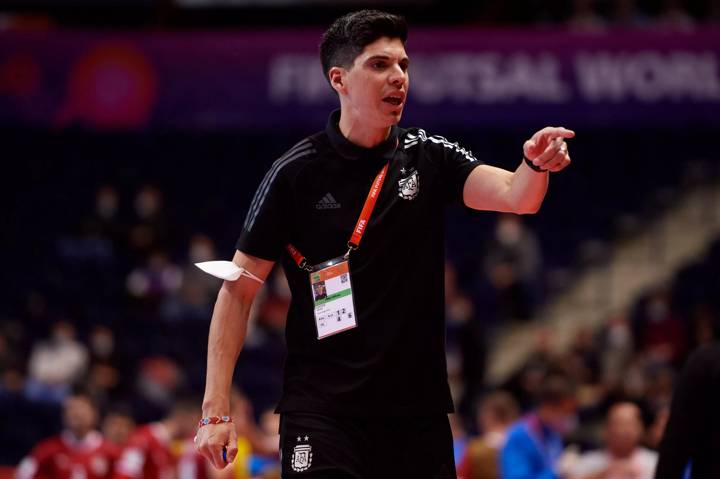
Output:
x=226 y=270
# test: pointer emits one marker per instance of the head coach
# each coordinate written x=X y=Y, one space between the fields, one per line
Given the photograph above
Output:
x=355 y=215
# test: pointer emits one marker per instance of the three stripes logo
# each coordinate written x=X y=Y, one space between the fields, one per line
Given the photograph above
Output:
x=327 y=202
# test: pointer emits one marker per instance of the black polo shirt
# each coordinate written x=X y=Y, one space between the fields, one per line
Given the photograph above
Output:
x=393 y=362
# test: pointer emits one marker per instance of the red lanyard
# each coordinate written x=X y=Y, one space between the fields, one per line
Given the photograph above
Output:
x=360 y=226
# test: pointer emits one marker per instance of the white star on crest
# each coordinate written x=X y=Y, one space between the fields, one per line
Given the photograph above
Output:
x=306 y=438
x=402 y=170
x=298 y=440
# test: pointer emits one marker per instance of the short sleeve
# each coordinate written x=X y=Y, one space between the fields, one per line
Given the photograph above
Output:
x=455 y=161
x=265 y=229
x=458 y=163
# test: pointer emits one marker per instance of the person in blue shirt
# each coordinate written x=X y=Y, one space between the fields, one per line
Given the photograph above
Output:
x=534 y=443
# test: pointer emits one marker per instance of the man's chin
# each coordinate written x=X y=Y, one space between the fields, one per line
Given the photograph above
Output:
x=395 y=117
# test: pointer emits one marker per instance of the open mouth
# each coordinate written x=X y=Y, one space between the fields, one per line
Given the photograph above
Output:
x=393 y=100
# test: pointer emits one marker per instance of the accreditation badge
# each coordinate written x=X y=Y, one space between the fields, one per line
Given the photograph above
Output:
x=332 y=297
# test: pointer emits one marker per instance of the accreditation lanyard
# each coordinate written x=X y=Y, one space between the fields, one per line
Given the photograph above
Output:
x=330 y=282
x=360 y=226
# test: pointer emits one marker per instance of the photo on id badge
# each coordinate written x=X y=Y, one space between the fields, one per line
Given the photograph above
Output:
x=334 y=308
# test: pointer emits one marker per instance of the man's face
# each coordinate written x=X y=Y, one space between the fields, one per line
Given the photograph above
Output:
x=375 y=87
x=624 y=428
x=117 y=428
x=79 y=415
x=563 y=417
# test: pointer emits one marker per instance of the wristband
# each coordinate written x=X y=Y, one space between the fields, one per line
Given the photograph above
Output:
x=214 y=420
x=533 y=165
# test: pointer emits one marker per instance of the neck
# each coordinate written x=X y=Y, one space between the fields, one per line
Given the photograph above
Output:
x=359 y=133
x=170 y=427
x=80 y=435
x=545 y=415
x=621 y=453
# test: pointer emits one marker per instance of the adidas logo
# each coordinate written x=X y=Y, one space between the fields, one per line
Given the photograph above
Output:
x=327 y=202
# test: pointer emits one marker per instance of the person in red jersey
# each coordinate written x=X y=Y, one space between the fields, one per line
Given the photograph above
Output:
x=159 y=450
x=79 y=452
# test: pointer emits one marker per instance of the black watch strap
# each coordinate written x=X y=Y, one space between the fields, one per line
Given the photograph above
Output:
x=533 y=165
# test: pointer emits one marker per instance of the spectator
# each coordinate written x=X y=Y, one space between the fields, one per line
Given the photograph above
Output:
x=465 y=349
x=513 y=265
x=102 y=343
x=118 y=425
x=622 y=458
x=626 y=14
x=534 y=444
x=156 y=450
x=584 y=18
x=196 y=296
x=617 y=348
x=103 y=382
x=674 y=17
x=656 y=430
x=18 y=435
x=150 y=230
x=56 y=364
x=713 y=17
x=265 y=458
x=660 y=333
x=104 y=223
x=459 y=435
x=79 y=451
x=153 y=281
x=497 y=411
x=159 y=379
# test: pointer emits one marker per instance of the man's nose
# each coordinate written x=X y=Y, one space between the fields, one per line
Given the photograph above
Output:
x=397 y=77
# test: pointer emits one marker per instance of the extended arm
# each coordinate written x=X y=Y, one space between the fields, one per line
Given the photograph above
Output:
x=522 y=191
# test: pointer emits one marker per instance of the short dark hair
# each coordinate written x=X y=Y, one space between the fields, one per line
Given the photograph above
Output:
x=556 y=388
x=350 y=34
x=501 y=404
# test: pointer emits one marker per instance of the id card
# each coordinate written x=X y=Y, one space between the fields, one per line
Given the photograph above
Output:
x=332 y=297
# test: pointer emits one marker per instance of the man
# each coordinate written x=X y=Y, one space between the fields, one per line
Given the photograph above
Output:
x=78 y=452
x=692 y=435
x=160 y=450
x=118 y=425
x=534 y=444
x=623 y=457
x=496 y=413
x=365 y=384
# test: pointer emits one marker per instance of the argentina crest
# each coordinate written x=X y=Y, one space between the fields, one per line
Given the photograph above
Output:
x=301 y=458
x=409 y=187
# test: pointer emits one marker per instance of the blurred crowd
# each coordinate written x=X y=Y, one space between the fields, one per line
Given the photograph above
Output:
x=582 y=15
x=676 y=15
x=108 y=351
x=597 y=410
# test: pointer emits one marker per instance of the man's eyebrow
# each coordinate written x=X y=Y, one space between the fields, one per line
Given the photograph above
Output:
x=386 y=57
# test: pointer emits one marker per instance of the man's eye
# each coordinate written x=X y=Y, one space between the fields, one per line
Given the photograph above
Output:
x=378 y=65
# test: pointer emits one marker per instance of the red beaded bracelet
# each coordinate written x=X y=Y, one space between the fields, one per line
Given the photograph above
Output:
x=214 y=420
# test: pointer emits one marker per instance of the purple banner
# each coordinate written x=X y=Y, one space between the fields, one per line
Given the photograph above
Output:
x=266 y=79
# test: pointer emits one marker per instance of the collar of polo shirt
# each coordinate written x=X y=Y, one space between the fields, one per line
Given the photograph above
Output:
x=350 y=150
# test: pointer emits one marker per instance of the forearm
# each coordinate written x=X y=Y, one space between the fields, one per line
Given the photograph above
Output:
x=527 y=189
x=494 y=189
x=226 y=337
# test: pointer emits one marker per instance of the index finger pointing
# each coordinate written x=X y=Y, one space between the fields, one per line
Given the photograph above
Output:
x=561 y=132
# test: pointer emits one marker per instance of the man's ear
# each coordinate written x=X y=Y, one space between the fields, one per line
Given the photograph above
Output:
x=337 y=77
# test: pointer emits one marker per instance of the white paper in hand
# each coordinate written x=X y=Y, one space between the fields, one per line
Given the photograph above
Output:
x=226 y=270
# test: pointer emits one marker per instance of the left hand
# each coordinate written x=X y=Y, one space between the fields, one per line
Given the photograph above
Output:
x=547 y=148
